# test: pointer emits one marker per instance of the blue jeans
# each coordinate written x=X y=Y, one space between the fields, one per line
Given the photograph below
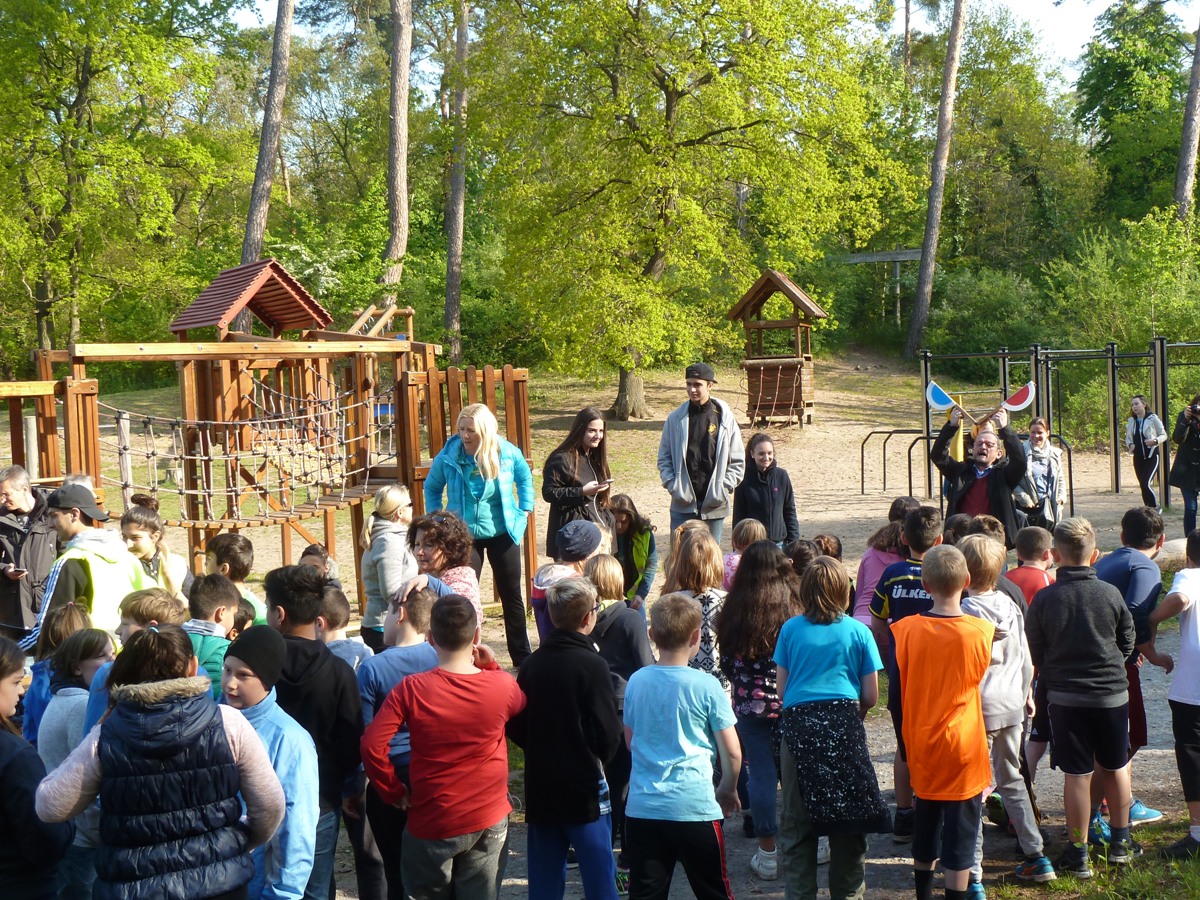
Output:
x=756 y=734
x=1189 y=510
x=715 y=526
x=77 y=873
x=548 y=860
x=323 y=857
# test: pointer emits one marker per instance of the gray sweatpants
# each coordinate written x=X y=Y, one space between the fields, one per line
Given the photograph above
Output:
x=1004 y=744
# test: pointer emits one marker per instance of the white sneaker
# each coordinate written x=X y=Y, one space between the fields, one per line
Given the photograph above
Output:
x=822 y=850
x=765 y=865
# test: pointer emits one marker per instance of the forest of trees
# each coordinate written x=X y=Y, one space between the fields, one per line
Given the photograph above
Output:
x=589 y=185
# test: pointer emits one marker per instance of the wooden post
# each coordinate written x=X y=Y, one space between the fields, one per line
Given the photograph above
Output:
x=124 y=463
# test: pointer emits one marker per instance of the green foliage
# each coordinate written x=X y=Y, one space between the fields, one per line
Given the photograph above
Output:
x=653 y=158
x=1131 y=95
x=981 y=311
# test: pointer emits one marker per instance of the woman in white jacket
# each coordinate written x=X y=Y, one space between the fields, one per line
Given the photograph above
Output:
x=1144 y=437
x=1042 y=493
x=387 y=563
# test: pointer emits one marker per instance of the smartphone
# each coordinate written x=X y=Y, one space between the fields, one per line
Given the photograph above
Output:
x=15 y=571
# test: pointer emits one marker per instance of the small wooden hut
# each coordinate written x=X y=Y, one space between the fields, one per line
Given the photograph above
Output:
x=779 y=376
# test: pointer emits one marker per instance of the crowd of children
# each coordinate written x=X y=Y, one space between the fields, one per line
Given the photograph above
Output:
x=189 y=739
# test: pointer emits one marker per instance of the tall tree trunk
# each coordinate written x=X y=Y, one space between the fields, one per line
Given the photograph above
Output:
x=268 y=146
x=937 y=185
x=457 y=205
x=907 y=37
x=397 y=176
x=43 y=307
x=631 y=395
x=1185 y=175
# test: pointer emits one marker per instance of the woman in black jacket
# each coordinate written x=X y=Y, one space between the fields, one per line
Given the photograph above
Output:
x=1185 y=472
x=766 y=493
x=576 y=480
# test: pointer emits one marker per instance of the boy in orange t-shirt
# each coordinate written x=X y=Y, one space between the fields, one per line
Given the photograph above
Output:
x=942 y=656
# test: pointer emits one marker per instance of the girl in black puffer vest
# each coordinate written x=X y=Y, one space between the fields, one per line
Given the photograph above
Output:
x=168 y=765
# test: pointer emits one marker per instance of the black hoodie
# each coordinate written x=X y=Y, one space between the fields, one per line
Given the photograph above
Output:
x=767 y=496
x=33 y=547
x=320 y=692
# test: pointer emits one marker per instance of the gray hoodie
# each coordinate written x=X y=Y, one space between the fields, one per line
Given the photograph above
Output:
x=386 y=565
x=1006 y=682
x=728 y=467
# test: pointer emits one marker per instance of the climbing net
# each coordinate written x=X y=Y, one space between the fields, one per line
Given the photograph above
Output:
x=290 y=453
x=769 y=390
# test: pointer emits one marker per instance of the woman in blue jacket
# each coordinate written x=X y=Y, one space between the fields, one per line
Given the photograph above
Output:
x=486 y=482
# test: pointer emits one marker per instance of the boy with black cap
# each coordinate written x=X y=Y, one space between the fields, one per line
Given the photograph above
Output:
x=94 y=568
x=252 y=666
x=701 y=458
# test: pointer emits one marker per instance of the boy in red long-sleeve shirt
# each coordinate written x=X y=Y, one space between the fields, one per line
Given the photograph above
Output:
x=457 y=836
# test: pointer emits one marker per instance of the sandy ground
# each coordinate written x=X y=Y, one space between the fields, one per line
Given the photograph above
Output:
x=856 y=394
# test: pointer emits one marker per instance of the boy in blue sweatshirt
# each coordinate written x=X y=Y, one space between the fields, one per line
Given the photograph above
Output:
x=252 y=665
x=406 y=653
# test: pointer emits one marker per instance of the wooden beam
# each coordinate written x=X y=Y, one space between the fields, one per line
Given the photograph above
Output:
x=882 y=256
x=227 y=350
x=766 y=324
x=14 y=389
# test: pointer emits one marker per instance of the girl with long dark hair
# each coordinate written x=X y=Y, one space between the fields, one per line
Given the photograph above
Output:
x=763 y=596
x=576 y=479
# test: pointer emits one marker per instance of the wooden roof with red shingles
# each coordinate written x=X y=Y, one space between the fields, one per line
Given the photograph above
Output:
x=266 y=288
x=770 y=282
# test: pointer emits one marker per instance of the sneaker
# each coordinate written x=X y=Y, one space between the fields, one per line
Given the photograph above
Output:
x=748 y=825
x=622 y=882
x=1124 y=851
x=1186 y=847
x=1074 y=862
x=1037 y=869
x=572 y=861
x=1141 y=814
x=765 y=865
x=1099 y=834
x=975 y=891
x=822 y=850
x=902 y=828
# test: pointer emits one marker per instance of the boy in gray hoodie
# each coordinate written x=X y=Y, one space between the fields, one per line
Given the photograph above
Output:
x=1007 y=696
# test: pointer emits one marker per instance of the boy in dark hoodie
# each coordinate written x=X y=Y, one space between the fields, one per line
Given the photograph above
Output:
x=320 y=692
x=569 y=729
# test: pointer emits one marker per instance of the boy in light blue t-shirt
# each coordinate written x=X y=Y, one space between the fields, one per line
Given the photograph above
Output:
x=676 y=718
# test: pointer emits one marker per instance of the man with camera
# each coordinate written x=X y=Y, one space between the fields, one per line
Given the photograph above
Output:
x=983 y=483
x=1185 y=473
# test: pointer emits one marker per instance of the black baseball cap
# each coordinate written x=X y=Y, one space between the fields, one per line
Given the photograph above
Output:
x=76 y=496
x=703 y=371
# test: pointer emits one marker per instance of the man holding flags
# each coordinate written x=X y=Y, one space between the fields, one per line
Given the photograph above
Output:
x=983 y=484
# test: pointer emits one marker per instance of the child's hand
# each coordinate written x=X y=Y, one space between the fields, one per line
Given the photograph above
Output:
x=728 y=799
x=637 y=602
x=482 y=656
x=404 y=802
x=1162 y=660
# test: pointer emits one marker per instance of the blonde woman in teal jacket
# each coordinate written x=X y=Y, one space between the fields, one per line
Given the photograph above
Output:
x=486 y=482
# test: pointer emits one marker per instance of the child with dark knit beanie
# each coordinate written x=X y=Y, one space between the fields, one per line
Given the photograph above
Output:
x=253 y=664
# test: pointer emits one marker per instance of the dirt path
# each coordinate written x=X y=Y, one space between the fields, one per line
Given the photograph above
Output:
x=856 y=394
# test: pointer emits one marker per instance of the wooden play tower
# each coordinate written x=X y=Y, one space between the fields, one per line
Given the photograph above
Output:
x=779 y=376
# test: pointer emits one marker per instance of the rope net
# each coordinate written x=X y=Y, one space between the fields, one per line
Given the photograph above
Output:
x=291 y=452
x=770 y=390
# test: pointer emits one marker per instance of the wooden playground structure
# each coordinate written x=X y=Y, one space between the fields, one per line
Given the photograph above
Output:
x=778 y=385
x=270 y=431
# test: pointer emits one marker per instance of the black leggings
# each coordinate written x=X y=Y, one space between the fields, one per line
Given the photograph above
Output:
x=1147 y=473
x=505 y=558
x=1185 y=723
